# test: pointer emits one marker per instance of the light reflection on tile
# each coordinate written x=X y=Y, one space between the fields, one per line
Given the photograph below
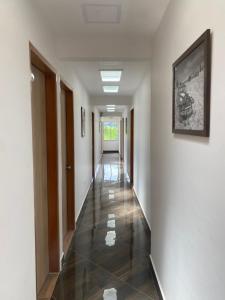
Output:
x=110 y=238
x=111 y=192
x=110 y=294
x=111 y=172
x=111 y=224
x=111 y=196
x=111 y=216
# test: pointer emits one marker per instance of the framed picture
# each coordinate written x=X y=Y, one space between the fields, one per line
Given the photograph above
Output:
x=82 y=122
x=126 y=125
x=191 y=89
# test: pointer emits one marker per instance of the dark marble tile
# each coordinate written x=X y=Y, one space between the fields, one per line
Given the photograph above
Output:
x=109 y=254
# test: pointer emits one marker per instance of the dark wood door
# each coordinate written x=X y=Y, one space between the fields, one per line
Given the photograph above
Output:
x=68 y=189
x=132 y=146
x=70 y=160
x=93 y=144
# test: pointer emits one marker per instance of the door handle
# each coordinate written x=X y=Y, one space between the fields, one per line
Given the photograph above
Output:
x=68 y=167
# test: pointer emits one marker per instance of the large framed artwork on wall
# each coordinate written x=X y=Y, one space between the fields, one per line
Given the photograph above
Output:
x=191 y=89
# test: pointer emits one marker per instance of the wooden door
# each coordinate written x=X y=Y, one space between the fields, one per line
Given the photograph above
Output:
x=68 y=189
x=40 y=175
x=93 y=144
x=132 y=146
x=45 y=164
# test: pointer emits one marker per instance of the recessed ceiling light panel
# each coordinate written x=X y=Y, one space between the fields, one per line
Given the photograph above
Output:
x=111 y=75
x=111 y=89
x=102 y=13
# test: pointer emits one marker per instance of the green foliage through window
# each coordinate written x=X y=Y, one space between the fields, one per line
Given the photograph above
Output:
x=111 y=131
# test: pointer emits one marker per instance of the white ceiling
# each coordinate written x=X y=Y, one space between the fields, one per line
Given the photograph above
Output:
x=118 y=108
x=133 y=73
x=122 y=17
x=104 y=34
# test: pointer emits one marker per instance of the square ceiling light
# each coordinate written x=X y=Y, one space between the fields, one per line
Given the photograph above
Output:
x=102 y=13
x=112 y=89
x=111 y=75
x=110 y=108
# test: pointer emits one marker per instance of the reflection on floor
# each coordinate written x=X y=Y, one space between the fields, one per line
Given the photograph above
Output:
x=109 y=255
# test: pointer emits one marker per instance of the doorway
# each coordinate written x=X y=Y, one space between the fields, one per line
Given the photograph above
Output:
x=68 y=190
x=122 y=139
x=132 y=146
x=45 y=165
x=93 y=144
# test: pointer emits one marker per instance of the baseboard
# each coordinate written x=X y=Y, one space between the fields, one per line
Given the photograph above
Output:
x=128 y=178
x=85 y=198
x=141 y=207
x=159 y=285
x=81 y=212
x=98 y=165
x=62 y=259
x=156 y=278
x=97 y=168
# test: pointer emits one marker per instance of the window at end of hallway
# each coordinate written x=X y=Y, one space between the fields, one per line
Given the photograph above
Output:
x=111 y=131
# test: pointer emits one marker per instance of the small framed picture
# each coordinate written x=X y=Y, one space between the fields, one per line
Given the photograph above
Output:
x=191 y=89
x=126 y=125
x=82 y=122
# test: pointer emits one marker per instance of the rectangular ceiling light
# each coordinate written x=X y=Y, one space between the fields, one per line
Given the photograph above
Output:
x=111 y=75
x=111 y=89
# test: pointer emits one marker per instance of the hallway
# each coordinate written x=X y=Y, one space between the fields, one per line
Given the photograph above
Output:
x=109 y=255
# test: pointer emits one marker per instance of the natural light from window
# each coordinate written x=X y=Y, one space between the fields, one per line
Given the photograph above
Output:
x=110 y=131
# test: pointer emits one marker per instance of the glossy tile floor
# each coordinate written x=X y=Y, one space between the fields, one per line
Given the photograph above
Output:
x=109 y=255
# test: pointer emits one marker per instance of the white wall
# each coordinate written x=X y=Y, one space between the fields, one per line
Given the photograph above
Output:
x=83 y=159
x=142 y=166
x=19 y=24
x=110 y=99
x=188 y=173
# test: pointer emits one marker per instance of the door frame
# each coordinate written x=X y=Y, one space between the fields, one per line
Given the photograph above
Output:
x=93 y=143
x=132 y=146
x=70 y=180
x=38 y=61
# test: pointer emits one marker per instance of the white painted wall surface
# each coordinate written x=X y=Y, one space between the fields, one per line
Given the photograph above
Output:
x=111 y=145
x=142 y=132
x=20 y=23
x=108 y=99
x=188 y=173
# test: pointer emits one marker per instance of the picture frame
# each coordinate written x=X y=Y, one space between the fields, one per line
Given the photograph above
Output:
x=191 y=89
x=82 y=122
x=126 y=125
